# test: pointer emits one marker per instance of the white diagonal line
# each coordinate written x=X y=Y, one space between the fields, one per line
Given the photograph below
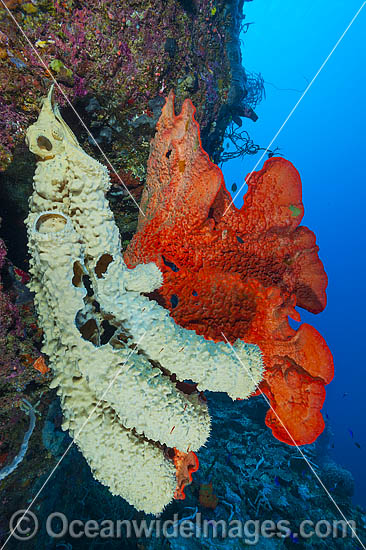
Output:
x=297 y=104
x=72 y=442
x=296 y=445
x=71 y=106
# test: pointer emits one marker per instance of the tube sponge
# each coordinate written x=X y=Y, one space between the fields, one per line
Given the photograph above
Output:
x=135 y=468
x=112 y=349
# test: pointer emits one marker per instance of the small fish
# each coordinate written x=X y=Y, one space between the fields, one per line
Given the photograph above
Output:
x=234 y=187
x=172 y=265
x=357 y=445
x=345 y=394
x=327 y=416
x=116 y=192
x=174 y=300
x=351 y=433
x=41 y=44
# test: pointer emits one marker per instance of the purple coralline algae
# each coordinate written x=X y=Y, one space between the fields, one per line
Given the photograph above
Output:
x=124 y=58
x=115 y=62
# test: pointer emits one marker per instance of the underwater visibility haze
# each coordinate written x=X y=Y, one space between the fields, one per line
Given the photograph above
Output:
x=181 y=269
x=325 y=141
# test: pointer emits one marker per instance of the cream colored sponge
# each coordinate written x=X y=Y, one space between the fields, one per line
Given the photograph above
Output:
x=116 y=356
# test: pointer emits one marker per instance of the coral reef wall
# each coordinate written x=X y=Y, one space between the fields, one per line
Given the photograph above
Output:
x=23 y=389
x=115 y=62
x=120 y=59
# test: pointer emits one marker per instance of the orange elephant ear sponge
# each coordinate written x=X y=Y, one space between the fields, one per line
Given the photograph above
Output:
x=238 y=272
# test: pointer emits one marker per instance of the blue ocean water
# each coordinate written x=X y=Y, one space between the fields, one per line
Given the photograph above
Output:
x=287 y=42
x=325 y=139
